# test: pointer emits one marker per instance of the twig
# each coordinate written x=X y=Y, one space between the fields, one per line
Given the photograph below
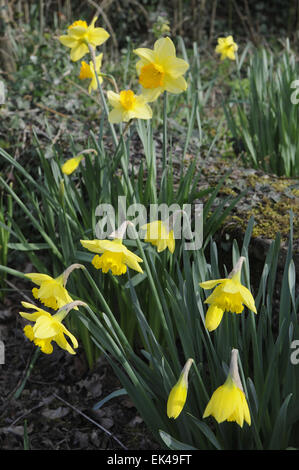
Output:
x=46 y=108
x=91 y=420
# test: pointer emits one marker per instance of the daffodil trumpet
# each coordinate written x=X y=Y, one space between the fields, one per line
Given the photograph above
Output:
x=115 y=256
x=228 y=402
x=178 y=394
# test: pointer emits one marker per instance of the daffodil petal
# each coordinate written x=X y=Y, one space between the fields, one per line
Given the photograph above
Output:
x=145 y=54
x=212 y=283
x=176 y=67
x=63 y=344
x=98 y=36
x=113 y=98
x=163 y=49
x=45 y=328
x=175 y=85
x=247 y=298
x=79 y=51
x=38 y=278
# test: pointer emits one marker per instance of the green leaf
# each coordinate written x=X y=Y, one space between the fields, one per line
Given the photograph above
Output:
x=116 y=393
x=173 y=444
x=207 y=432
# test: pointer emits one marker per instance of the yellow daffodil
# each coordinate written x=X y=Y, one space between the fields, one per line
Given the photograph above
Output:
x=227 y=48
x=229 y=295
x=71 y=165
x=160 y=70
x=52 y=292
x=158 y=234
x=47 y=328
x=126 y=106
x=114 y=256
x=87 y=71
x=228 y=402
x=79 y=35
x=178 y=394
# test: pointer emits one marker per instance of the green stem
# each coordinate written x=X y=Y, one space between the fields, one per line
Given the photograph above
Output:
x=164 y=154
x=29 y=370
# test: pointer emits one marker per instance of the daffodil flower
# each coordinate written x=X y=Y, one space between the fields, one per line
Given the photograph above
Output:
x=48 y=328
x=71 y=165
x=160 y=70
x=87 y=71
x=228 y=402
x=178 y=394
x=80 y=35
x=52 y=292
x=159 y=235
x=227 y=48
x=126 y=106
x=229 y=295
x=115 y=256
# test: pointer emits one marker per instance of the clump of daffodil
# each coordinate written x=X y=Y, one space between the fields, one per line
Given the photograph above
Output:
x=159 y=235
x=228 y=402
x=126 y=106
x=178 y=394
x=80 y=35
x=227 y=48
x=115 y=256
x=229 y=295
x=160 y=70
x=71 y=165
x=52 y=292
x=88 y=71
x=48 y=328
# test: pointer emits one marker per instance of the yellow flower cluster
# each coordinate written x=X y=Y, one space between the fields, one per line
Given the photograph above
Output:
x=47 y=328
x=159 y=71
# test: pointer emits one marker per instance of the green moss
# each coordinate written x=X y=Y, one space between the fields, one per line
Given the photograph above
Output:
x=271 y=214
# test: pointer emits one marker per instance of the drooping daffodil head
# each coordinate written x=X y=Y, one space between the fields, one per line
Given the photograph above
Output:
x=48 y=328
x=112 y=255
x=229 y=295
x=52 y=291
x=228 y=402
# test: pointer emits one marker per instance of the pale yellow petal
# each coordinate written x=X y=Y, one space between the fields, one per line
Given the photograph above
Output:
x=38 y=278
x=247 y=298
x=176 y=67
x=45 y=328
x=116 y=116
x=114 y=99
x=163 y=49
x=175 y=85
x=97 y=36
x=79 y=51
x=147 y=55
x=211 y=284
x=68 y=41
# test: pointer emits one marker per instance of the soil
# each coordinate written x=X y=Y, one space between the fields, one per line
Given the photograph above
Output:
x=56 y=404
